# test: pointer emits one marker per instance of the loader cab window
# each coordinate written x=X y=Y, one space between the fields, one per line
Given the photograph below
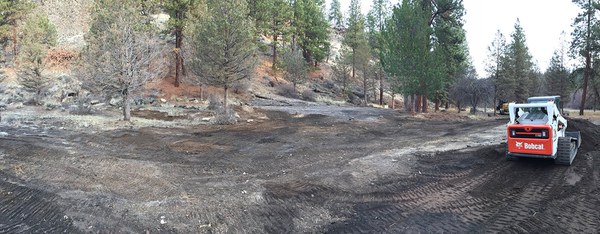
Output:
x=526 y=115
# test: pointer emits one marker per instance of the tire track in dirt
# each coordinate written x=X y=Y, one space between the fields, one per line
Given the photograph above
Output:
x=26 y=210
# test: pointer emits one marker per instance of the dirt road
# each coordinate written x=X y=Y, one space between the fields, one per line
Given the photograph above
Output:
x=297 y=172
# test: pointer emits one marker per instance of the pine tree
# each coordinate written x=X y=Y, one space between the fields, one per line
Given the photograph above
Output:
x=355 y=37
x=295 y=67
x=311 y=30
x=13 y=12
x=584 y=40
x=376 y=18
x=450 y=40
x=224 y=45
x=494 y=67
x=519 y=66
x=178 y=12
x=335 y=14
x=273 y=19
x=407 y=53
x=39 y=35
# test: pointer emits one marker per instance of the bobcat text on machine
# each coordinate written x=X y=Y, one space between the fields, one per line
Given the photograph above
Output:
x=538 y=130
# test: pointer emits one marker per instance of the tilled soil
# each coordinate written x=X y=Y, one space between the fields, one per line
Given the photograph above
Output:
x=387 y=172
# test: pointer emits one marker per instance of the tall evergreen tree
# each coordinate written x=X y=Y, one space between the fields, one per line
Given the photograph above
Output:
x=376 y=18
x=584 y=40
x=274 y=18
x=450 y=40
x=38 y=36
x=335 y=14
x=311 y=30
x=13 y=11
x=224 y=45
x=407 y=53
x=494 y=65
x=355 y=37
x=178 y=12
x=519 y=66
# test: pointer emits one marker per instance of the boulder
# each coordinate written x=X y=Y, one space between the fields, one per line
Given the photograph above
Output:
x=115 y=102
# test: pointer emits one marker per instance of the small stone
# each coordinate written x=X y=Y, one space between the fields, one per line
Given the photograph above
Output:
x=250 y=121
x=206 y=119
x=163 y=100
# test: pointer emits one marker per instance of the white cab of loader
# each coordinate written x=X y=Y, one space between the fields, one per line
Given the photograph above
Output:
x=538 y=130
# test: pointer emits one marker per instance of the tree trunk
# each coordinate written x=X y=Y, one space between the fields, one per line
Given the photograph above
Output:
x=407 y=104
x=365 y=93
x=424 y=109
x=485 y=107
x=458 y=106
x=381 y=86
x=393 y=101
x=437 y=105
x=586 y=72
x=201 y=92
x=178 y=58
x=15 y=39
x=274 y=45
x=494 y=105
x=353 y=63
x=126 y=106
x=225 y=104
x=418 y=104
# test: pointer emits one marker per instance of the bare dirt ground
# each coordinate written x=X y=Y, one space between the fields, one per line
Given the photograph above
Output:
x=310 y=169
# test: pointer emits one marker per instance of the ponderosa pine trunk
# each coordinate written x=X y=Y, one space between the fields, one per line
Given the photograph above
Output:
x=365 y=93
x=178 y=57
x=418 y=104
x=274 y=45
x=424 y=102
x=225 y=94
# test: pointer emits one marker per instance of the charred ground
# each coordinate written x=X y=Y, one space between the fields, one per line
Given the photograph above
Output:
x=356 y=171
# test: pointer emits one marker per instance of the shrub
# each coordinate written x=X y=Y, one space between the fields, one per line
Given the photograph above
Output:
x=82 y=107
x=241 y=87
x=329 y=84
x=309 y=95
x=287 y=90
x=225 y=117
x=214 y=102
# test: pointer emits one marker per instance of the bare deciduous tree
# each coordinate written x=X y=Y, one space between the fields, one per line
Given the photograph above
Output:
x=471 y=90
x=123 y=54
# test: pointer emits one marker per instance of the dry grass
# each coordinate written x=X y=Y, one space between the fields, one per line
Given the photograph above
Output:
x=592 y=116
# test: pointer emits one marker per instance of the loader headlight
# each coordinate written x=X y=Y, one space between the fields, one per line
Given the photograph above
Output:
x=512 y=133
x=544 y=133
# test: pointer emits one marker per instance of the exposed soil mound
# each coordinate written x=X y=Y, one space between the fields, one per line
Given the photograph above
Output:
x=590 y=133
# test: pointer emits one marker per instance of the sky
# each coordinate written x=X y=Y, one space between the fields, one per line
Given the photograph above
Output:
x=542 y=20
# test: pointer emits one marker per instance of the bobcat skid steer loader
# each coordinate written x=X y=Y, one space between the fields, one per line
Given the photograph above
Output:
x=538 y=130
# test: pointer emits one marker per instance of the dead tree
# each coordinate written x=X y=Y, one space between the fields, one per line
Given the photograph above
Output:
x=122 y=56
